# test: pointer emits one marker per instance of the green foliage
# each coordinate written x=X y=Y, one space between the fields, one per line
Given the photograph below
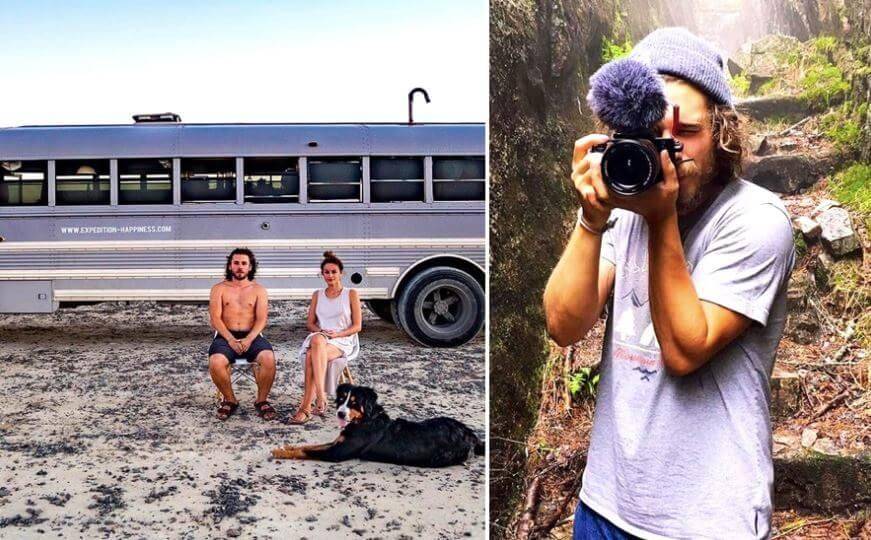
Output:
x=790 y=57
x=583 y=382
x=825 y=45
x=845 y=135
x=741 y=85
x=822 y=83
x=613 y=51
x=852 y=186
x=767 y=88
x=861 y=111
x=842 y=127
x=800 y=244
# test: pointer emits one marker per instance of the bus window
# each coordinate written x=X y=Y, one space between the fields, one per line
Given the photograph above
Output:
x=396 y=179
x=24 y=183
x=145 y=181
x=208 y=179
x=271 y=180
x=335 y=179
x=458 y=178
x=82 y=181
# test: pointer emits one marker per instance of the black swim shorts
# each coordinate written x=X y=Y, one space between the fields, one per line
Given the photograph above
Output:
x=220 y=346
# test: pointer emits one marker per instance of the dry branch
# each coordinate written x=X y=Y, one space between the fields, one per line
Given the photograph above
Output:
x=527 y=520
x=561 y=508
x=790 y=128
x=829 y=405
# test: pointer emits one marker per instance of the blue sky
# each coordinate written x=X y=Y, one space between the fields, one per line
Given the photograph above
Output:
x=251 y=61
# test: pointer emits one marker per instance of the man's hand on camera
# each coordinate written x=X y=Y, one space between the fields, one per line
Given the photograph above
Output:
x=587 y=178
x=597 y=201
x=656 y=203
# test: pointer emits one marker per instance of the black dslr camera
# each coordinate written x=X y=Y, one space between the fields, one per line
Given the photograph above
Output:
x=630 y=161
x=629 y=96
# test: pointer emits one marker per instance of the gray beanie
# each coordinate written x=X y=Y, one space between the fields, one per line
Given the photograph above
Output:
x=678 y=52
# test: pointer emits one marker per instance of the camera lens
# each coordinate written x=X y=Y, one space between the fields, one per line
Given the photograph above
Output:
x=630 y=166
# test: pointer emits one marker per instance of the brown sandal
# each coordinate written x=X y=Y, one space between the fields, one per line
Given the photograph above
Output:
x=265 y=410
x=321 y=411
x=306 y=416
x=227 y=409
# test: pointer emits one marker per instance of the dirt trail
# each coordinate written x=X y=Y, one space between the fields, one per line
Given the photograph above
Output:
x=107 y=430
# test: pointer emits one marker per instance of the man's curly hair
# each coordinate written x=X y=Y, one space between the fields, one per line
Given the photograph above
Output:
x=228 y=274
x=727 y=131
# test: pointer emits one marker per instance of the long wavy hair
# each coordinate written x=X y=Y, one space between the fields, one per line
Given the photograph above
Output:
x=228 y=275
x=729 y=136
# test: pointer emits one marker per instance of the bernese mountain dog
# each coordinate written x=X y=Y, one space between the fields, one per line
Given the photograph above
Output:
x=368 y=433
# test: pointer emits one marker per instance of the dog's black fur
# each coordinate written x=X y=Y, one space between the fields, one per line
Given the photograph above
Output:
x=371 y=435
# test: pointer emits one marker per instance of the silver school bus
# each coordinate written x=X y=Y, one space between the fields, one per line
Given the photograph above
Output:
x=149 y=211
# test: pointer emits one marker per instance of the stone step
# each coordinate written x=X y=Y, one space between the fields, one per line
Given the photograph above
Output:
x=812 y=481
x=785 y=393
x=768 y=107
x=787 y=173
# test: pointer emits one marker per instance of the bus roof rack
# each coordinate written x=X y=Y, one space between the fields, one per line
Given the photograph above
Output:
x=156 y=118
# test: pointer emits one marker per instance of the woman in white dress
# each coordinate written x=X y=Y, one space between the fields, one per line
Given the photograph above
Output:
x=334 y=319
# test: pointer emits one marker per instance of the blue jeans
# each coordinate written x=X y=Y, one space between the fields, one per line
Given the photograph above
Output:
x=591 y=526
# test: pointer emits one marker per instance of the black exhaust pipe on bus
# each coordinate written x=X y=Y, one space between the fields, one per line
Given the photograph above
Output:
x=411 y=101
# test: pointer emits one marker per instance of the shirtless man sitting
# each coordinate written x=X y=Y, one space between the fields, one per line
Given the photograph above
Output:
x=238 y=309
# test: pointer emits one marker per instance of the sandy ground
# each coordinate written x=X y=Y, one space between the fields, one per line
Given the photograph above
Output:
x=107 y=429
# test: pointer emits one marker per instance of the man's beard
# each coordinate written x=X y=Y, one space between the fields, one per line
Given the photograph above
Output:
x=236 y=276
x=689 y=202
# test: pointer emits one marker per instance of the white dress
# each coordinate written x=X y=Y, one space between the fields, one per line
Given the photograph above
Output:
x=333 y=314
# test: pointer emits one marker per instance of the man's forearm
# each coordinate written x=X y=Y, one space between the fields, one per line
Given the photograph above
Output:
x=678 y=318
x=221 y=328
x=259 y=326
x=571 y=297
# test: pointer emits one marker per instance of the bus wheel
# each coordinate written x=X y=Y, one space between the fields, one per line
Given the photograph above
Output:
x=381 y=308
x=441 y=307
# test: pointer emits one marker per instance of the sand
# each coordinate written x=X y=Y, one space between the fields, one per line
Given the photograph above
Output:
x=107 y=429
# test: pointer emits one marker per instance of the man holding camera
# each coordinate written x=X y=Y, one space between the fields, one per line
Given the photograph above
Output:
x=697 y=265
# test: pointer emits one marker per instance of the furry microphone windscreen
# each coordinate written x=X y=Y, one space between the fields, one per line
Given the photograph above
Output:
x=627 y=95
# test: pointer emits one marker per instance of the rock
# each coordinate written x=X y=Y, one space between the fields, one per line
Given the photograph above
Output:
x=808 y=437
x=826 y=204
x=796 y=298
x=785 y=393
x=809 y=228
x=837 y=232
x=763 y=147
x=735 y=69
x=825 y=261
x=825 y=446
x=786 y=439
x=774 y=43
x=822 y=483
x=802 y=326
x=763 y=108
x=234 y=533
x=782 y=174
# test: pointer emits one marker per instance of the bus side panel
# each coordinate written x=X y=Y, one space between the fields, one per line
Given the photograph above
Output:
x=26 y=297
x=186 y=253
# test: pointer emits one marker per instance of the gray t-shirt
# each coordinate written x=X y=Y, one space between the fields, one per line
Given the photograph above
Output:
x=690 y=457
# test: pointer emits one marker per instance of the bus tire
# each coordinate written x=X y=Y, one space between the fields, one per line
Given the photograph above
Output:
x=382 y=309
x=441 y=307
